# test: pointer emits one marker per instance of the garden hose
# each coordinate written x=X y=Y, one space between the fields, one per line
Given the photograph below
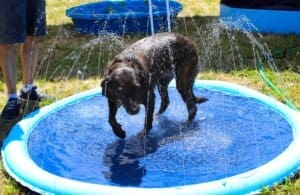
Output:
x=262 y=73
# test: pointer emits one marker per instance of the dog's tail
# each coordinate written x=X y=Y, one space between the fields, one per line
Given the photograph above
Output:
x=200 y=100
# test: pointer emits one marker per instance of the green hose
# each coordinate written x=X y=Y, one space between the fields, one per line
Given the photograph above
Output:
x=274 y=87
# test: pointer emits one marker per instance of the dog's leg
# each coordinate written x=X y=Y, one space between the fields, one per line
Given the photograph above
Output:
x=113 y=107
x=188 y=97
x=165 y=101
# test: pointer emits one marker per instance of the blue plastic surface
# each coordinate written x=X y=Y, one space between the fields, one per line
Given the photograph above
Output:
x=241 y=141
x=122 y=17
x=262 y=20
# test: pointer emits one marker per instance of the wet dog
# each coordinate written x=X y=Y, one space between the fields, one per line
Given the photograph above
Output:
x=153 y=61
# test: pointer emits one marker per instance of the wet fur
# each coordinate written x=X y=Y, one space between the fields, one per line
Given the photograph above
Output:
x=131 y=77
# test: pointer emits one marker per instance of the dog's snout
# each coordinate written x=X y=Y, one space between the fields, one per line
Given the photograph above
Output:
x=132 y=107
x=135 y=110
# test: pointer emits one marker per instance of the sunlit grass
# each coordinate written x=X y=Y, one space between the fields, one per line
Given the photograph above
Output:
x=200 y=8
x=56 y=10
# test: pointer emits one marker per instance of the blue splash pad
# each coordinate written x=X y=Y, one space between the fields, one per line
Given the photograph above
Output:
x=233 y=136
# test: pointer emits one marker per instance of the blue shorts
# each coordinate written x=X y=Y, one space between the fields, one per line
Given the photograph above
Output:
x=21 y=18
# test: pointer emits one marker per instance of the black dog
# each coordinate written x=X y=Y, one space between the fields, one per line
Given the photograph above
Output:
x=153 y=61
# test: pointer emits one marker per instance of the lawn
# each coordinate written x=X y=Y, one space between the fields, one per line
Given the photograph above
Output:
x=70 y=63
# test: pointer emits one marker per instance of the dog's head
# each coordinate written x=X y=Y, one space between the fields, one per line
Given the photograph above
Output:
x=121 y=86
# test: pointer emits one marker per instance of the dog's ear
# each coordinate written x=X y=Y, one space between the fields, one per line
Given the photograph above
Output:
x=104 y=84
x=136 y=82
x=140 y=78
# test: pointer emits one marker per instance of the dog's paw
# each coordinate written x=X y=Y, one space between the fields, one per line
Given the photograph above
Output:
x=142 y=134
x=121 y=134
x=200 y=100
x=187 y=124
x=157 y=114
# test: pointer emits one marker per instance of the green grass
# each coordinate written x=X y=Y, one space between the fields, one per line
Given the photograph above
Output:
x=71 y=63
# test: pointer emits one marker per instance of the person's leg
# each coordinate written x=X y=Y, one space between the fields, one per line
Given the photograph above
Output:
x=12 y=31
x=8 y=62
x=36 y=27
x=29 y=58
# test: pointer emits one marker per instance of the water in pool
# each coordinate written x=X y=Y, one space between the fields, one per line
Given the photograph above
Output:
x=230 y=135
